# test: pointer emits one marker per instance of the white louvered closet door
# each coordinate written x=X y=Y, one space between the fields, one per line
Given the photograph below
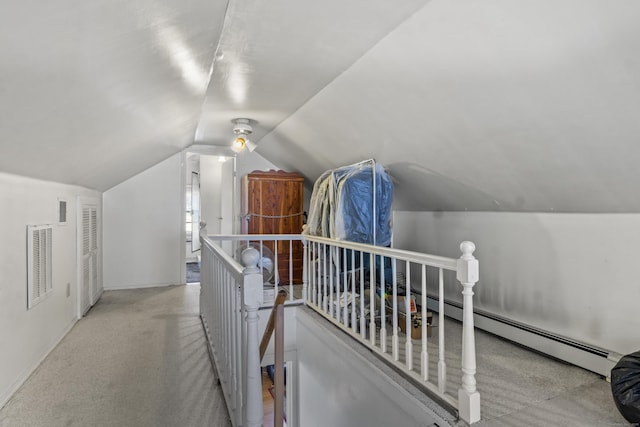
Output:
x=94 y=255
x=89 y=257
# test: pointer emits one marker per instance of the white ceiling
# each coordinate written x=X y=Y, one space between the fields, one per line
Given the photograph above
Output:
x=95 y=91
x=492 y=105
x=276 y=55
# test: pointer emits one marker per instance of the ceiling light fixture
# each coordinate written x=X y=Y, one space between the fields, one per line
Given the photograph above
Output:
x=242 y=129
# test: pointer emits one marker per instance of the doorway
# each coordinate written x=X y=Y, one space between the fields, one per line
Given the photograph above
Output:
x=192 y=218
x=209 y=178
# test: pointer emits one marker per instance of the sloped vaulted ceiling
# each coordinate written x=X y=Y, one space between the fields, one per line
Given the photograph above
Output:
x=93 y=92
x=491 y=105
x=275 y=55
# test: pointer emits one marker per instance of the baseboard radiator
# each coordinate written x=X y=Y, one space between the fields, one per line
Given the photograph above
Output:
x=592 y=358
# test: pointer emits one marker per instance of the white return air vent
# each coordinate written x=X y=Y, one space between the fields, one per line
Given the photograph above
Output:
x=39 y=282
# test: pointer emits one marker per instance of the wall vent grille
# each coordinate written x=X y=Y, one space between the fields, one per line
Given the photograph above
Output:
x=39 y=265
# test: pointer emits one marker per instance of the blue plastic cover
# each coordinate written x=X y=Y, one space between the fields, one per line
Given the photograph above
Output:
x=342 y=204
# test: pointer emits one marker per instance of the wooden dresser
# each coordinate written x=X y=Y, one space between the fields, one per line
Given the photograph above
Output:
x=272 y=203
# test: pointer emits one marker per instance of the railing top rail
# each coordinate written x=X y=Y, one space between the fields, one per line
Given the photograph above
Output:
x=254 y=237
x=417 y=257
x=233 y=265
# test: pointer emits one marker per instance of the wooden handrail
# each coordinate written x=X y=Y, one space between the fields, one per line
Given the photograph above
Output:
x=282 y=296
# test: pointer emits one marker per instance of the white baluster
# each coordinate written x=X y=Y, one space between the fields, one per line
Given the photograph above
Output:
x=305 y=272
x=424 y=356
x=319 y=271
x=331 y=291
x=291 y=271
x=354 y=326
x=468 y=396
x=363 y=332
x=372 y=300
x=239 y=373
x=442 y=365
x=241 y=414
x=383 y=320
x=311 y=268
x=233 y=327
x=338 y=278
x=324 y=278
x=276 y=267
x=253 y=298
x=408 y=344
x=345 y=314
x=225 y=327
x=394 y=314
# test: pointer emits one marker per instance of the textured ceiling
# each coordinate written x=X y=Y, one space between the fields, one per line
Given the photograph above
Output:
x=93 y=92
x=487 y=106
x=274 y=56
x=493 y=105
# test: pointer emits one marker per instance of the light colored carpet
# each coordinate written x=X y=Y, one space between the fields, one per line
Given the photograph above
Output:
x=138 y=358
x=519 y=387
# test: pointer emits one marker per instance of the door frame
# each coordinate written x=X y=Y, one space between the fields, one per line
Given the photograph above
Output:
x=93 y=202
x=210 y=150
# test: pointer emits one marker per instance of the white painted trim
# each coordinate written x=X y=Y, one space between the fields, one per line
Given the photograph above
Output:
x=145 y=286
x=403 y=392
x=596 y=360
x=215 y=360
x=93 y=299
x=293 y=398
x=235 y=199
x=100 y=292
x=24 y=376
x=183 y=231
x=79 y=203
x=211 y=150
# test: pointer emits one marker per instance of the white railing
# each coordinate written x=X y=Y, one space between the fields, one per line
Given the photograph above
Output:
x=287 y=271
x=231 y=292
x=222 y=311
x=363 y=289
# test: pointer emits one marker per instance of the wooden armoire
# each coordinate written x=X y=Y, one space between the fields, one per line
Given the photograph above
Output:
x=272 y=203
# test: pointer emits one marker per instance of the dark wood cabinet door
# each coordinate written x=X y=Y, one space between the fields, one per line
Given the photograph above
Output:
x=272 y=203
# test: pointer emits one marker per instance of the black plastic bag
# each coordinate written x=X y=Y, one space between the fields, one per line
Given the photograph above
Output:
x=625 y=386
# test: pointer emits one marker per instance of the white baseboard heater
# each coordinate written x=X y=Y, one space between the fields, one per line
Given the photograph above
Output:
x=592 y=358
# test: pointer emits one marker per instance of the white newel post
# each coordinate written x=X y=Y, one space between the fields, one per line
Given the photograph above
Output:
x=253 y=298
x=468 y=396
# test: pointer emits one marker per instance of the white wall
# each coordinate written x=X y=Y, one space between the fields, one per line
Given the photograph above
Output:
x=27 y=336
x=227 y=179
x=191 y=164
x=211 y=192
x=250 y=161
x=339 y=387
x=570 y=274
x=247 y=162
x=147 y=211
x=143 y=228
